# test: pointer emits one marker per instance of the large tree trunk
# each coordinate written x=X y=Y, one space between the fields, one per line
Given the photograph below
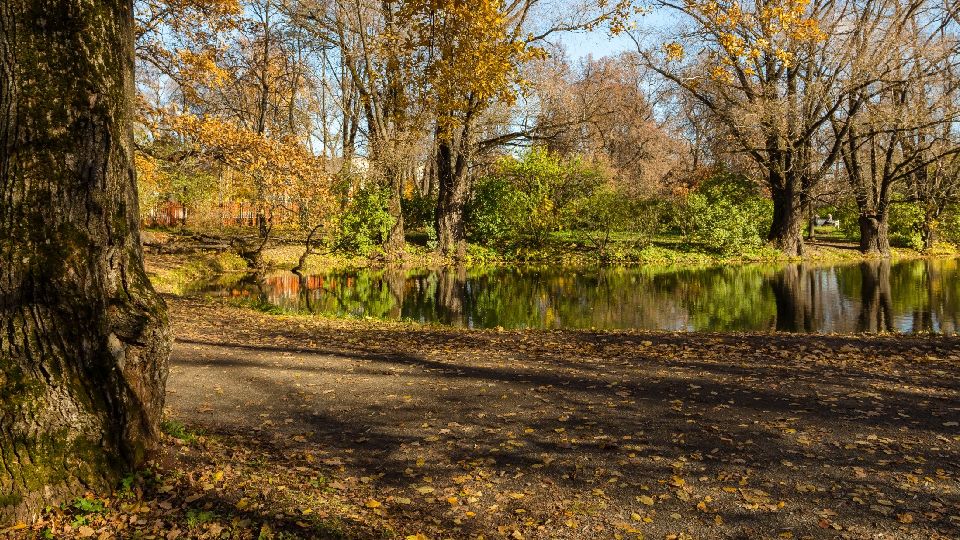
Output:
x=83 y=336
x=786 y=230
x=451 y=200
x=873 y=235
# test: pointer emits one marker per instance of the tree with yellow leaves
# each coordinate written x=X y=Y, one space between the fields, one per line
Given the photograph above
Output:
x=472 y=54
x=283 y=173
x=781 y=78
x=372 y=39
x=234 y=96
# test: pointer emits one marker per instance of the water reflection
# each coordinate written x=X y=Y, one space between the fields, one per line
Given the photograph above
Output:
x=872 y=296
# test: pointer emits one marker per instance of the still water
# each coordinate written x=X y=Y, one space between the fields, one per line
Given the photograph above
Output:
x=909 y=296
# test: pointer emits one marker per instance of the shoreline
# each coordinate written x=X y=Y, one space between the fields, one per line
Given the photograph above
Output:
x=195 y=264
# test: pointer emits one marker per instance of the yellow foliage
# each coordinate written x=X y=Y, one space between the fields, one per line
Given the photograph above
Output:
x=746 y=37
x=473 y=50
x=280 y=167
x=473 y=57
x=674 y=51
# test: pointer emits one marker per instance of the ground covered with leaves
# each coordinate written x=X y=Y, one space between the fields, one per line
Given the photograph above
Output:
x=296 y=427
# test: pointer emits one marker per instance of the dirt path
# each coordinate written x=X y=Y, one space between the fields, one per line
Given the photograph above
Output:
x=457 y=434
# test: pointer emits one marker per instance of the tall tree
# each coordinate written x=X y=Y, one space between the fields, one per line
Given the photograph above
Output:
x=83 y=336
x=900 y=126
x=373 y=43
x=472 y=57
x=771 y=73
x=604 y=111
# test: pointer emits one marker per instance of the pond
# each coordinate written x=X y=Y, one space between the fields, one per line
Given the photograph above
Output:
x=873 y=296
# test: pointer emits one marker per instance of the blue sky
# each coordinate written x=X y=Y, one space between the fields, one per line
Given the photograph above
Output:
x=595 y=43
x=598 y=43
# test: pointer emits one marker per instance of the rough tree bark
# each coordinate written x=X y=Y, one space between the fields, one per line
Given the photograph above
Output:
x=786 y=230
x=874 y=239
x=451 y=199
x=83 y=336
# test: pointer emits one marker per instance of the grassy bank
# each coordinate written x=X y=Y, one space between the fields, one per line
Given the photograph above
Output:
x=175 y=267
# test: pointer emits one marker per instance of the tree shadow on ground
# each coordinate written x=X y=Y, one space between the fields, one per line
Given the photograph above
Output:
x=836 y=428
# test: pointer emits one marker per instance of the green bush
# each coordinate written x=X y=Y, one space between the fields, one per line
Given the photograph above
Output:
x=608 y=214
x=418 y=211
x=728 y=213
x=526 y=200
x=494 y=213
x=366 y=222
x=950 y=225
x=905 y=225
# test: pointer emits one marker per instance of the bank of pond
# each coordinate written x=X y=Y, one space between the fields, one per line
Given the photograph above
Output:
x=911 y=296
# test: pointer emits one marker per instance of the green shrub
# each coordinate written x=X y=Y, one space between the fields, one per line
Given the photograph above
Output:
x=609 y=214
x=949 y=228
x=418 y=211
x=905 y=225
x=727 y=213
x=366 y=222
x=526 y=200
x=494 y=213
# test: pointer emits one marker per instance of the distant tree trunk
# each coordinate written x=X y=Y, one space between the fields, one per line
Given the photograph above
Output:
x=83 y=336
x=451 y=199
x=786 y=230
x=811 y=224
x=396 y=238
x=929 y=232
x=874 y=239
x=261 y=223
x=308 y=249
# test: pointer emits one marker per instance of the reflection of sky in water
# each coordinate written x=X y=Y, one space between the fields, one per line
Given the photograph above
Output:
x=905 y=297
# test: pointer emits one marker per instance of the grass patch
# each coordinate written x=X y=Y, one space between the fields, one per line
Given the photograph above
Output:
x=179 y=431
x=185 y=272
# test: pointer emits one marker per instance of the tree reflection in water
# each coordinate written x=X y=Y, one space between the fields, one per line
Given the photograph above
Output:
x=871 y=296
x=876 y=305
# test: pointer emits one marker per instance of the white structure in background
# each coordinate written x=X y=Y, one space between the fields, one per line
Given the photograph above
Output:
x=826 y=222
